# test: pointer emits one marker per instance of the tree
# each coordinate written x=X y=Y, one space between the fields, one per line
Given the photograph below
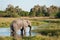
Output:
x=52 y=11
x=34 y=11
x=18 y=10
x=58 y=14
x=24 y=13
x=11 y=11
x=45 y=11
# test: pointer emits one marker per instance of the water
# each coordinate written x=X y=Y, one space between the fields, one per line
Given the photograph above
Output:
x=6 y=32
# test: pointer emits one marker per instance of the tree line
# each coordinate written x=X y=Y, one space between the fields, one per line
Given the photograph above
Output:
x=36 y=11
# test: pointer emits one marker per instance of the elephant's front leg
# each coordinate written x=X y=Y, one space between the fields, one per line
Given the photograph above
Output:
x=29 y=29
x=24 y=31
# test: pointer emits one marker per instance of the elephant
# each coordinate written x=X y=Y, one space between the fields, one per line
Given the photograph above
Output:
x=20 y=24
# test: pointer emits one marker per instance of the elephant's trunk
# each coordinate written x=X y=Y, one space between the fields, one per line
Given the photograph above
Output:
x=29 y=27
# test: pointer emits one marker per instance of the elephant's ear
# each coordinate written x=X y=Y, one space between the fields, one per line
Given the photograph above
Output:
x=29 y=23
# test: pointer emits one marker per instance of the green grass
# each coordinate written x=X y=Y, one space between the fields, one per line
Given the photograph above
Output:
x=38 y=37
x=5 y=22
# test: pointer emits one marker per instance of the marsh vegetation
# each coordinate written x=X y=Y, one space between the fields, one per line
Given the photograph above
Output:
x=47 y=29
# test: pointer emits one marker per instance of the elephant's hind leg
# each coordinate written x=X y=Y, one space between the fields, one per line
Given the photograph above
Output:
x=13 y=32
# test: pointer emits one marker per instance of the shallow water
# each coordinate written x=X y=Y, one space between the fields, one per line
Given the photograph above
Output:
x=6 y=31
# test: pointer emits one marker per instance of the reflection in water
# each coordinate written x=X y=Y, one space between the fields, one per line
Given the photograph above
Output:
x=6 y=32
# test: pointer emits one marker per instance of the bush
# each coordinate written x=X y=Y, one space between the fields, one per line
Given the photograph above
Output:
x=58 y=15
x=12 y=15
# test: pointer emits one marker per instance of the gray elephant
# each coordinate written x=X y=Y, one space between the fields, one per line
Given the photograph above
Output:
x=20 y=24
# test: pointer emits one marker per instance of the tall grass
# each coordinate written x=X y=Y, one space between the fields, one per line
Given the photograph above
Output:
x=5 y=22
x=38 y=37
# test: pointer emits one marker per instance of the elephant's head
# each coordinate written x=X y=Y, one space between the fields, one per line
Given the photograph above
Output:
x=29 y=24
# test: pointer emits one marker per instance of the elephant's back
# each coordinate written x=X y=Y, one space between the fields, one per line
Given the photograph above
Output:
x=19 y=23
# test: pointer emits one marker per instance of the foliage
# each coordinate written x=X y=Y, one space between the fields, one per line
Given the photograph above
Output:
x=44 y=11
x=38 y=37
x=2 y=13
x=36 y=11
x=24 y=13
x=58 y=15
